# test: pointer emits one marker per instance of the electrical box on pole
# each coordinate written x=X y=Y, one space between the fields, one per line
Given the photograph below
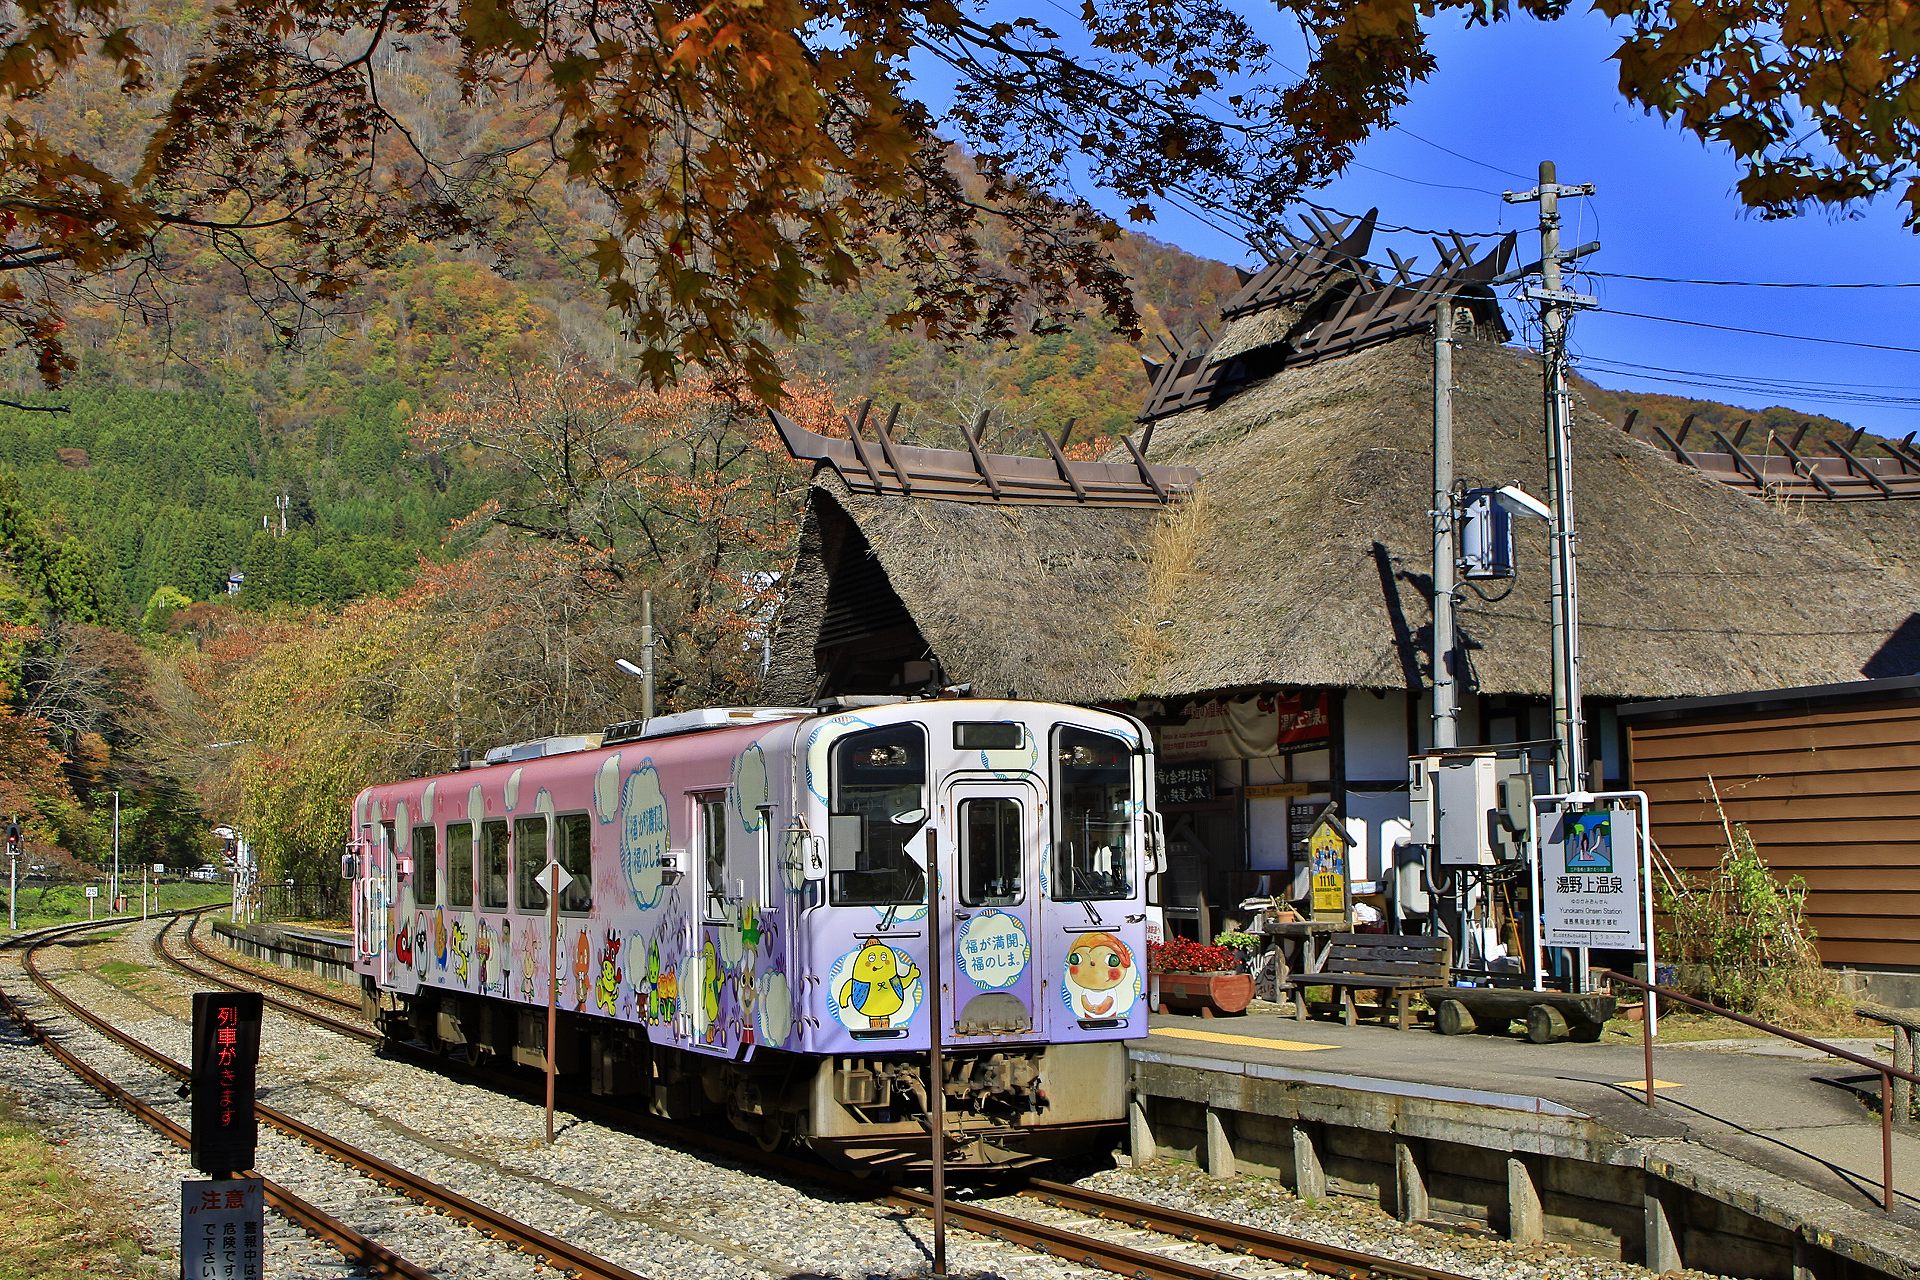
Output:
x=1486 y=537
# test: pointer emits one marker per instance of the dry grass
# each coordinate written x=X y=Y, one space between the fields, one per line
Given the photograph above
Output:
x=55 y=1224
x=1172 y=557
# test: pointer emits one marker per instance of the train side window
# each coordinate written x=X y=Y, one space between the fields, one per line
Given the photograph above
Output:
x=386 y=830
x=529 y=857
x=573 y=847
x=425 y=867
x=459 y=864
x=713 y=853
x=493 y=864
x=990 y=852
x=879 y=782
x=1093 y=853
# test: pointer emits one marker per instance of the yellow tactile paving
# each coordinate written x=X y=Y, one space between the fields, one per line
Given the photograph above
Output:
x=1254 y=1042
x=1642 y=1084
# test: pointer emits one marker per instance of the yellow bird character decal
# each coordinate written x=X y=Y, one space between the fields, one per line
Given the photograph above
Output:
x=877 y=989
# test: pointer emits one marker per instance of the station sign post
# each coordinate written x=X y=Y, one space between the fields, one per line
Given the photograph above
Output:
x=1592 y=856
x=221 y=1217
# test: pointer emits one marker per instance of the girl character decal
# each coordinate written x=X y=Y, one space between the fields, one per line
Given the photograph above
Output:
x=1101 y=983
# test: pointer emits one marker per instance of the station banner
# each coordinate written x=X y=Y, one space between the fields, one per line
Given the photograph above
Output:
x=1246 y=728
x=1590 y=894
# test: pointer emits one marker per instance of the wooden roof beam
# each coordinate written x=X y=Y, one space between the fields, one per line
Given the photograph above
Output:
x=980 y=459
x=1742 y=461
x=885 y=432
x=860 y=448
x=1855 y=465
x=1060 y=461
x=1679 y=450
x=1146 y=472
x=1806 y=468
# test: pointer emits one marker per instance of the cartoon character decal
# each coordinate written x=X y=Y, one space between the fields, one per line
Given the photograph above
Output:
x=528 y=962
x=421 y=954
x=440 y=937
x=457 y=943
x=1100 y=982
x=582 y=970
x=876 y=988
x=712 y=978
x=606 y=991
x=403 y=942
x=483 y=948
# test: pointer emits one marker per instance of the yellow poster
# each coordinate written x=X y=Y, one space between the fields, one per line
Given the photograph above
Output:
x=1327 y=853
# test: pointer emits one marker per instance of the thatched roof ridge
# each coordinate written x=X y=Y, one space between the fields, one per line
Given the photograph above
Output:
x=1321 y=478
x=1310 y=554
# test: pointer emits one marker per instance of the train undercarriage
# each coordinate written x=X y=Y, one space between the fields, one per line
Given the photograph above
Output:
x=1006 y=1105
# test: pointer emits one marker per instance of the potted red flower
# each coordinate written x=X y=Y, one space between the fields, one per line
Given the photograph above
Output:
x=1195 y=975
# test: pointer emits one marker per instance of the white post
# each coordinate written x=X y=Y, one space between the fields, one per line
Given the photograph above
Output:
x=115 y=896
x=1646 y=890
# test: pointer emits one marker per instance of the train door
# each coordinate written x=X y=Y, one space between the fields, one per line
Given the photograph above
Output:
x=373 y=896
x=990 y=888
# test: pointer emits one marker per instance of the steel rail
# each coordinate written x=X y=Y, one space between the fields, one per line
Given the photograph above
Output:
x=232 y=965
x=523 y=1236
x=353 y=1245
x=1256 y=1242
x=357 y=1031
x=1137 y=1263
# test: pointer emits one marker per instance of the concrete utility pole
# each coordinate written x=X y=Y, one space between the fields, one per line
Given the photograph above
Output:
x=646 y=655
x=1446 y=693
x=1569 y=762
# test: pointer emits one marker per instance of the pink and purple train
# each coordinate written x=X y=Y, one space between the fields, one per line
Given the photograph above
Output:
x=745 y=932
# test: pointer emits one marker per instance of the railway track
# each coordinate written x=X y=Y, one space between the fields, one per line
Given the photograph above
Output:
x=1055 y=1240
x=354 y=1245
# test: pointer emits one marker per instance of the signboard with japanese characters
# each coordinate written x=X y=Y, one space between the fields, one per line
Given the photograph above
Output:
x=1327 y=854
x=1590 y=879
x=1183 y=783
x=220 y=1229
x=226 y=1049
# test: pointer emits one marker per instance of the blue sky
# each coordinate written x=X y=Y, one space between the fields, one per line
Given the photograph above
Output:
x=1514 y=94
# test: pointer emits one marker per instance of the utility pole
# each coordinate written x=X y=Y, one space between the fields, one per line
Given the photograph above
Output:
x=646 y=655
x=1446 y=693
x=1569 y=772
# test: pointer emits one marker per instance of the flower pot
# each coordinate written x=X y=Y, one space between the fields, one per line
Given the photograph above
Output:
x=1210 y=993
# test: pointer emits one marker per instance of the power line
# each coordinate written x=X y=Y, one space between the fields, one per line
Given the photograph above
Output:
x=1784 y=383
x=1762 y=284
x=1765 y=333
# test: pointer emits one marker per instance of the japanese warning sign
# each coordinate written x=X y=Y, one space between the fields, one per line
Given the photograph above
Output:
x=1590 y=879
x=226 y=1048
x=220 y=1229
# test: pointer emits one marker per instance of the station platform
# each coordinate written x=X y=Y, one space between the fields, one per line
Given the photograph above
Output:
x=1759 y=1157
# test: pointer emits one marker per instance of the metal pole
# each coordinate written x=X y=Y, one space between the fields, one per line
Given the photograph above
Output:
x=1886 y=1141
x=646 y=655
x=1646 y=1042
x=1446 y=693
x=13 y=891
x=1569 y=725
x=116 y=849
x=146 y=881
x=553 y=988
x=937 y=1082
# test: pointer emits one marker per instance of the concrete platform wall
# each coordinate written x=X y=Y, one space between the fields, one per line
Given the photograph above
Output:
x=291 y=950
x=1446 y=1156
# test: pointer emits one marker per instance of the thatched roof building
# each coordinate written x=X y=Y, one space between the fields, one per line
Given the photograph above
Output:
x=1260 y=590
x=1303 y=559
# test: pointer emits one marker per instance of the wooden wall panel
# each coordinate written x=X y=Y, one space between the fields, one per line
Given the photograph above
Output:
x=1831 y=794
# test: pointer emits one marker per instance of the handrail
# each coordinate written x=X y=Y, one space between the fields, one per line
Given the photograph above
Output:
x=1886 y=1072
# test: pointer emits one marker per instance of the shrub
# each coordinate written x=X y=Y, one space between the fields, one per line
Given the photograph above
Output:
x=1181 y=955
x=1740 y=936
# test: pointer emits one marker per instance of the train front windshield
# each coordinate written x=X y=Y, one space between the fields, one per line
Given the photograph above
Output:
x=1093 y=845
x=879 y=803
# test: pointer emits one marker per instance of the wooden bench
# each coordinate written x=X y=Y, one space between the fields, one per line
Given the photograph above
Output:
x=1905 y=1026
x=1400 y=965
